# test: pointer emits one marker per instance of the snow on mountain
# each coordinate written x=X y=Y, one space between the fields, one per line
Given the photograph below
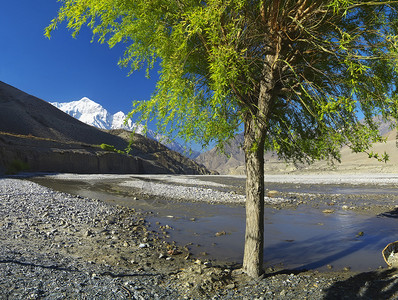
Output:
x=92 y=113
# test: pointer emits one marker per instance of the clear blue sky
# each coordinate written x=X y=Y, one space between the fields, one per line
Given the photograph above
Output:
x=63 y=69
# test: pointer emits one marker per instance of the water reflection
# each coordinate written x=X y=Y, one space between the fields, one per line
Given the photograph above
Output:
x=356 y=242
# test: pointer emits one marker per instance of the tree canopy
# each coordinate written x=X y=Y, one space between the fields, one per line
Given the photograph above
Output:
x=332 y=60
x=299 y=75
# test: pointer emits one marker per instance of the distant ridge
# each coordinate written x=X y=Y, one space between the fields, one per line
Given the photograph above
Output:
x=233 y=161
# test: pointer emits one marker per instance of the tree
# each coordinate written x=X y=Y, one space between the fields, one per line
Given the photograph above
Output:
x=299 y=75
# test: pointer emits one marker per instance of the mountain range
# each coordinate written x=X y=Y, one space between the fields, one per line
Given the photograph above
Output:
x=38 y=137
x=94 y=114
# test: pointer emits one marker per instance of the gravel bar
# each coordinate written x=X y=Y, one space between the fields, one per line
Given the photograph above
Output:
x=58 y=246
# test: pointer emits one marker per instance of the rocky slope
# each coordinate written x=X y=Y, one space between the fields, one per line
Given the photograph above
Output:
x=232 y=161
x=36 y=136
x=225 y=163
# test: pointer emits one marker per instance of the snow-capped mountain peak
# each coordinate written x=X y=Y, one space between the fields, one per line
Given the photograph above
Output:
x=92 y=113
x=86 y=111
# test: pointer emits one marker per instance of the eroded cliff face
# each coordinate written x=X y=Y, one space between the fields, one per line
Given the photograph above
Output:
x=154 y=151
x=33 y=154
x=40 y=155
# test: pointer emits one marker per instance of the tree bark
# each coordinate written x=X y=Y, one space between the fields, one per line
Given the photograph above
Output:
x=254 y=143
x=254 y=236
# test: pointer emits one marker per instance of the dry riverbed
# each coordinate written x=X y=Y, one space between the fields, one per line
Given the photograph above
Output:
x=59 y=246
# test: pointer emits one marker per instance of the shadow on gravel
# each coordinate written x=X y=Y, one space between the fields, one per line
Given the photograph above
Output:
x=26 y=264
x=367 y=285
x=283 y=272
x=59 y=268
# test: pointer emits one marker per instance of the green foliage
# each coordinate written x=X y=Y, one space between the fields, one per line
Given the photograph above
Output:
x=107 y=147
x=306 y=70
x=17 y=166
x=111 y=148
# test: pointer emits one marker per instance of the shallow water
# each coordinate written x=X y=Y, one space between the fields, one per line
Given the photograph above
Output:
x=302 y=238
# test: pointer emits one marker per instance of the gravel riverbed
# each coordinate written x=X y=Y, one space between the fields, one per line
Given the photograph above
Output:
x=58 y=246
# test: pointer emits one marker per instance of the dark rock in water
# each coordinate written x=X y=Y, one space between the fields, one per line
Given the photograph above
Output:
x=35 y=136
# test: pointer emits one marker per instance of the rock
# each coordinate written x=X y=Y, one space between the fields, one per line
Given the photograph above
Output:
x=240 y=271
x=272 y=194
x=88 y=233
x=173 y=252
x=143 y=245
x=220 y=233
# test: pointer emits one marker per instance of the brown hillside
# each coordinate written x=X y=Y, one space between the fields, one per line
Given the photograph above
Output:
x=43 y=138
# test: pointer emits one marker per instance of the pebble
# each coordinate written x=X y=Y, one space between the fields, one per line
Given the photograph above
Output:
x=272 y=194
x=220 y=233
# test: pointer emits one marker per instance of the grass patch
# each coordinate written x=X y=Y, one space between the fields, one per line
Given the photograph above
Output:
x=111 y=148
x=17 y=166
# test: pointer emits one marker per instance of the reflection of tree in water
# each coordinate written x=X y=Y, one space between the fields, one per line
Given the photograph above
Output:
x=367 y=285
x=344 y=244
x=391 y=214
x=378 y=284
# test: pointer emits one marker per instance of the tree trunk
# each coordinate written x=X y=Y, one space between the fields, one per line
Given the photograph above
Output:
x=256 y=122
x=254 y=236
